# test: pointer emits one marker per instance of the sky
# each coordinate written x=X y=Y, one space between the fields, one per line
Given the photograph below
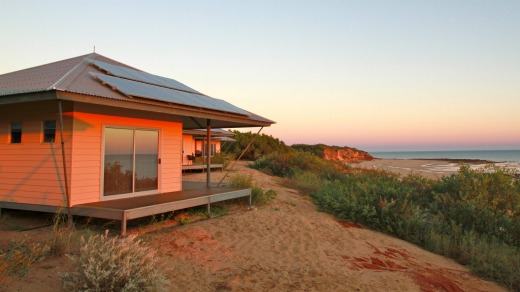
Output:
x=375 y=75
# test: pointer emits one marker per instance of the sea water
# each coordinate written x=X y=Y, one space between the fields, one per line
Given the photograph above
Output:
x=489 y=155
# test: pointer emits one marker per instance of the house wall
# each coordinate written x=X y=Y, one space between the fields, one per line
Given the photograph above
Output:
x=89 y=121
x=199 y=143
x=188 y=148
x=32 y=172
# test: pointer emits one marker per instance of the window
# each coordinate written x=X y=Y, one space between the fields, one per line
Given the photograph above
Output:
x=130 y=161
x=49 y=131
x=212 y=149
x=16 y=132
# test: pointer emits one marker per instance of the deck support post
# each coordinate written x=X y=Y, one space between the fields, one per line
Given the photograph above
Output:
x=208 y=148
x=251 y=199
x=123 y=225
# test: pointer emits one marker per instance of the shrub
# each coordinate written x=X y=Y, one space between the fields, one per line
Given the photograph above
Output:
x=241 y=181
x=293 y=162
x=489 y=258
x=61 y=237
x=262 y=145
x=182 y=218
x=307 y=182
x=472 y=216
x=259 y=196
x=112 y=264
x=222 y=158
x=18 y=258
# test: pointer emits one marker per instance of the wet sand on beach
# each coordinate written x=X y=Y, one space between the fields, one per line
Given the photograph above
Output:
x=434 y=169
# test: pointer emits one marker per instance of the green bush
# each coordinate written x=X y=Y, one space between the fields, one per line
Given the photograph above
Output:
x=259 y=196
x=487 y=257
x=472 y=216
x=222 y=158
x=262 y=145
x=113 y=264
x=241 y=181
x=290 y=163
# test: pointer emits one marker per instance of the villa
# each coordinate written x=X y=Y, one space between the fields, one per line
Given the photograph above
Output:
x=103 y=139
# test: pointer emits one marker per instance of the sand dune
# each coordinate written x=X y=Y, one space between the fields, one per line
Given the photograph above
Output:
x=285 y=246
x=289 y=246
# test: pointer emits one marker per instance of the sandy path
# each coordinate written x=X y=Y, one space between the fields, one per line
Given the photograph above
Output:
x=285 y=246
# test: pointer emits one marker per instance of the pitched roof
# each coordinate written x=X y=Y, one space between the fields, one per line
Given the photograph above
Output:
x=99 y=76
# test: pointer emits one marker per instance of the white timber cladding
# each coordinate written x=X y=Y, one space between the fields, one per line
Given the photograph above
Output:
x=87 y=149
x=31 y=172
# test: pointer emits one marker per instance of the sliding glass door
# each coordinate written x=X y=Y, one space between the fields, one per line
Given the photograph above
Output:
x=130 y=161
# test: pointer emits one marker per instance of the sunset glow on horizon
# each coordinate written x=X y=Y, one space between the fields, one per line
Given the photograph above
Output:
x=375 y=75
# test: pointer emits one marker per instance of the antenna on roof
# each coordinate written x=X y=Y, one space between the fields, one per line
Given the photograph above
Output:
x=94 y=48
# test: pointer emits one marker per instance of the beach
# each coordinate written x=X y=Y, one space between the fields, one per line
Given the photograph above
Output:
x=287 y=245
x=434 y=168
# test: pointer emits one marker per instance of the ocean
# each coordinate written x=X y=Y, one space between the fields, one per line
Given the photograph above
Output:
x=490 y=155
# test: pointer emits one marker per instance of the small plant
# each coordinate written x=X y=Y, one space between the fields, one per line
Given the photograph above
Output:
x=113 y=264
x=222 y=158
x=19 y=257
x=261 y=197
x=241 y=181
x=61 y=239
x=182 y=219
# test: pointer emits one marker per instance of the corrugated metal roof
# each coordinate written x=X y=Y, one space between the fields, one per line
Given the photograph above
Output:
x=36 y=79
x=78 y=75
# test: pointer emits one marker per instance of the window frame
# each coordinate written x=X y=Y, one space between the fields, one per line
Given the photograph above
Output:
x=11 y=132
x=132 y=194
x=44 y=134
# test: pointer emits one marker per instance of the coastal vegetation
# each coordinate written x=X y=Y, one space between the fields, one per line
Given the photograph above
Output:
x=259 y=195
x=472 y=216
x=262 y=145
x=114 y=264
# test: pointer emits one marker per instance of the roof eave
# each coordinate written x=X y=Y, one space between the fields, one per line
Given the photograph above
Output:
x=229 y=120
x=28 y=97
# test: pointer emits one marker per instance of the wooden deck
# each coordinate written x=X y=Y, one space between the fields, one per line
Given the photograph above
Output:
x=193 y=194
x=202 y=167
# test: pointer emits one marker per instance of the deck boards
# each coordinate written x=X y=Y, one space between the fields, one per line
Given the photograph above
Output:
x=193 y=194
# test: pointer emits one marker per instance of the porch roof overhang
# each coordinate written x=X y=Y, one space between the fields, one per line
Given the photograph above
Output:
x=192 y=118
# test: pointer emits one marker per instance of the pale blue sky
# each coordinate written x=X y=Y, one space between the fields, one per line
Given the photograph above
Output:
x=377 y=75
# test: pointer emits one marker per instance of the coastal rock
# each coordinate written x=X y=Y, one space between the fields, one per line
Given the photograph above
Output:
x=346 y=154
x=341 y=154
